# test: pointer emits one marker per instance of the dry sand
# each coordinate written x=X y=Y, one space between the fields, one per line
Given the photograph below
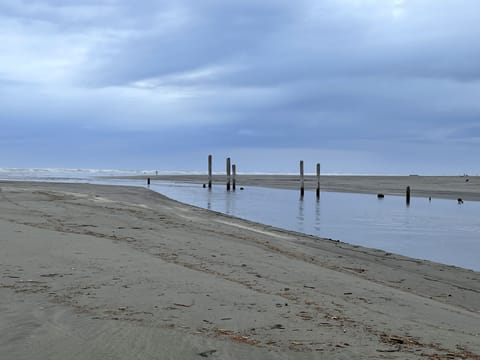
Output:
x=102 y=272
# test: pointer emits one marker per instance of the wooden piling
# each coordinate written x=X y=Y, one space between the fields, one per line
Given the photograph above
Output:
x=234 y=174
x=302 y=180
x=209 y=171
x=407 y=195
x=228 y=174
x=318 y=181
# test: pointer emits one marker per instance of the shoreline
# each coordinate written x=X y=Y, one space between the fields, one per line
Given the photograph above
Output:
x=444 y=187
x=118 y=263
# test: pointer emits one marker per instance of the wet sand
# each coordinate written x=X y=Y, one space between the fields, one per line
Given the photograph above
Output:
x=104 y=272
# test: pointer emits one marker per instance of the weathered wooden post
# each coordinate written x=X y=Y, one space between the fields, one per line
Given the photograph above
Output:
x=318 y=181
x=234 y=173
x=228 y=174
x=407 y=195
x=302 y=180
x=209 y=171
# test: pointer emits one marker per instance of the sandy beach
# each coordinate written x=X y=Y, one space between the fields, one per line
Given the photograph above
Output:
x=110 y=272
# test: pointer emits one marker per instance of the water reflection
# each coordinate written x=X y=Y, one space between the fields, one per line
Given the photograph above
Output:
x=301 y=215
x=317 y=216
x=209 y=199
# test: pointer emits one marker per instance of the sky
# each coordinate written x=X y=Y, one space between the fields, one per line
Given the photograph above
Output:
x=362 y=87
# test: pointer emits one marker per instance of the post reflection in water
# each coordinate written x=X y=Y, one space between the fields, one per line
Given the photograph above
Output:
x=301 y=215
x=209 y=199
x=317 y=225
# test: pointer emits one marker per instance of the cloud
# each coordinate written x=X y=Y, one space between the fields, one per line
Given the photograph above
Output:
x=116 y=43
x=350 y=75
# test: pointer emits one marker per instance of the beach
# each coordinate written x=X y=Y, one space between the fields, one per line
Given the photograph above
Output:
x=115 y=272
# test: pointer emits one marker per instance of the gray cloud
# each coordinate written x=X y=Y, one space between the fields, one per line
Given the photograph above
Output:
x=343 y=76
x=270 y=43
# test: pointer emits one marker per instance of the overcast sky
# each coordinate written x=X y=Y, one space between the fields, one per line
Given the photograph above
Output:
x=372 y=86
